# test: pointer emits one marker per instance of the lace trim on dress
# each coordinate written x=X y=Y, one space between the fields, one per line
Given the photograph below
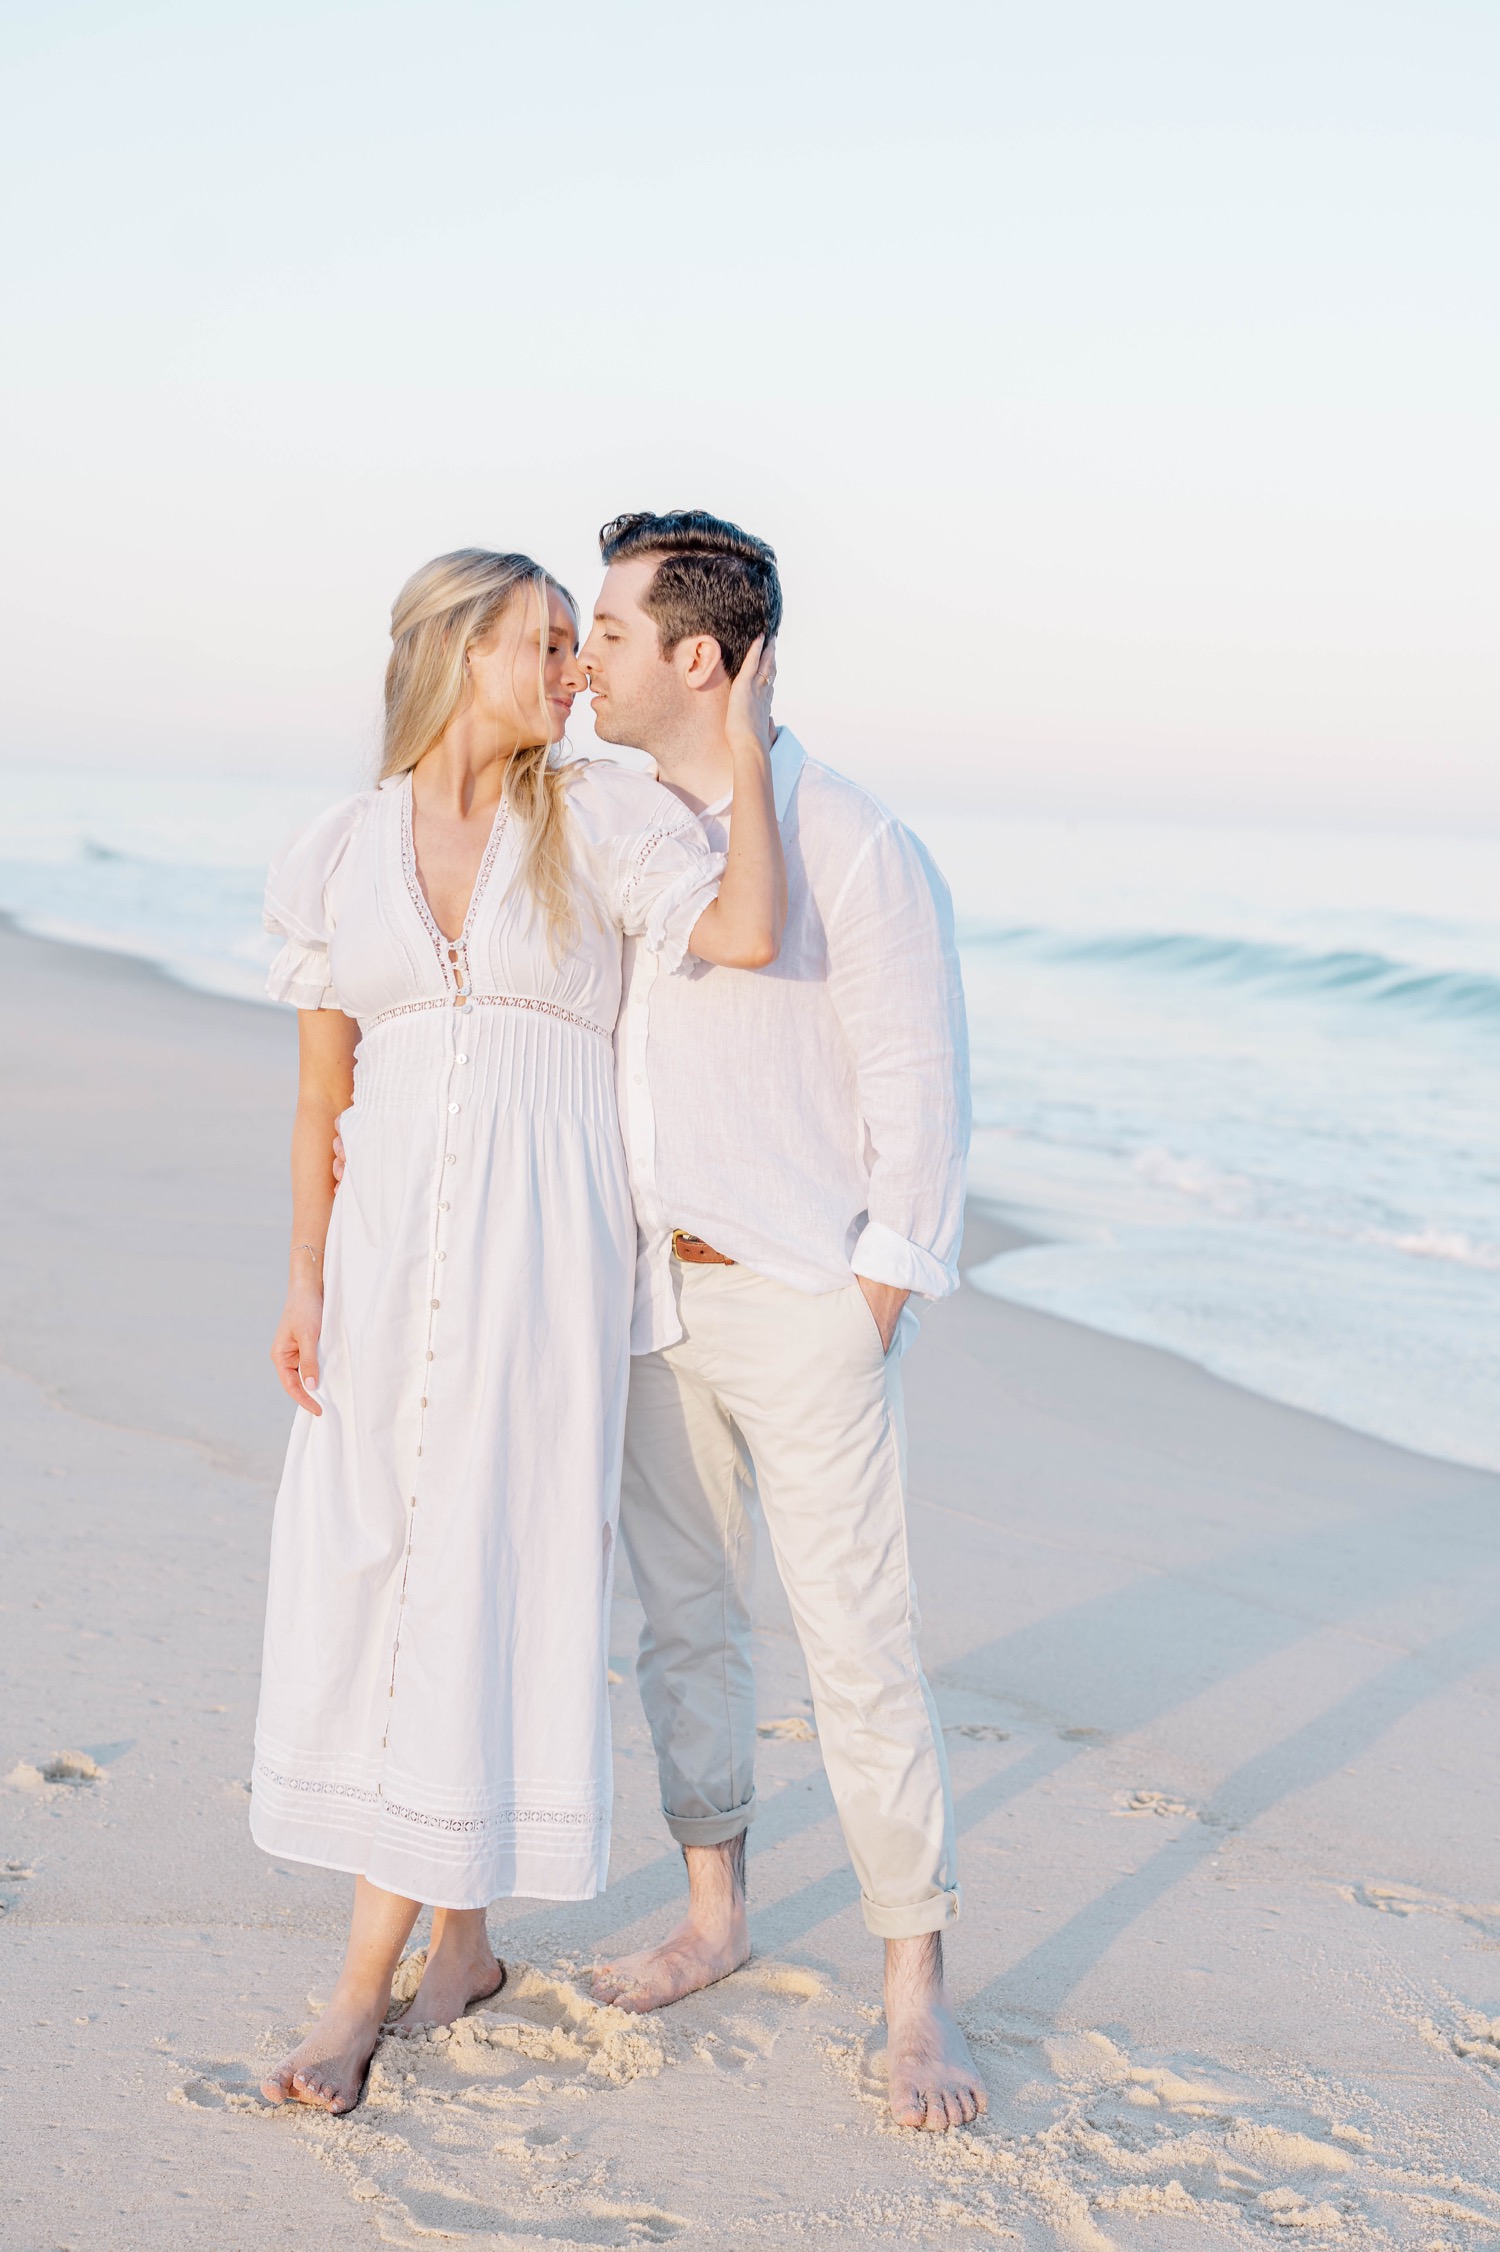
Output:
x=323 y=1789
x=504 y=1818
x=644 y=851
x=414 y=882
x=466 y=1825
x=493 y=1001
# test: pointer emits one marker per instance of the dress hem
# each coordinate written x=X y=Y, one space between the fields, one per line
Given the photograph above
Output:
x=360 y=1868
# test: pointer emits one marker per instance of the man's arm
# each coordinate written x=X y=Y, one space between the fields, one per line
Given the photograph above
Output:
x=894 y=981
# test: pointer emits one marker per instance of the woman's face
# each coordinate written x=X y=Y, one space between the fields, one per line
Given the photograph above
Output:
x=524 y=677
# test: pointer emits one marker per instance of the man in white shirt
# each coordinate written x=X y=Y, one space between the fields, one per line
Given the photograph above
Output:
x=796 y=1140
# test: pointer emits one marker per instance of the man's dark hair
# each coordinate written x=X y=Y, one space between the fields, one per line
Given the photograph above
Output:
x=713 y=579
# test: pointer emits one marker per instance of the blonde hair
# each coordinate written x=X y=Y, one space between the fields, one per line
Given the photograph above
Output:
x=441 y=613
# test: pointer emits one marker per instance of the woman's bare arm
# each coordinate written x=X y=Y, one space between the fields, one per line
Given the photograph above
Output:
x=325 y=1085
x=742 y=929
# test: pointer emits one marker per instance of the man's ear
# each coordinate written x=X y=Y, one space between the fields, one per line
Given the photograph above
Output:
x=701 y=661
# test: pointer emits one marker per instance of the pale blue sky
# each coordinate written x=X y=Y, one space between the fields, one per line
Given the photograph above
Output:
x=1116 y=382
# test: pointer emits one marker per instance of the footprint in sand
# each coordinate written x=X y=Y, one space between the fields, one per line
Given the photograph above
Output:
x=1131 y=1804
x=1479 y=2039
x=533 y=2022
x=465 y=2128
x=1408 y=1900
x=64 y=1771
x=1087 y=2142
x=13 y=1875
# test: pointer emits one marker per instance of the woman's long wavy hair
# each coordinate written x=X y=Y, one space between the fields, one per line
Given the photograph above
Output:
x=442 y=612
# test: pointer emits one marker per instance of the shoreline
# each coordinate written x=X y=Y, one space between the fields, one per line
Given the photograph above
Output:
x=992 y=1227
x=1216 y=1680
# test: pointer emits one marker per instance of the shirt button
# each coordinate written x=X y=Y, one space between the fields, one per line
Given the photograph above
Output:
x=443 y=1208
x=442 y=1255
x=435 y=1303
x=451 y=1159
x=432 y=1356
x=463 y=1059
x=452 y=1107
x=424 y=1403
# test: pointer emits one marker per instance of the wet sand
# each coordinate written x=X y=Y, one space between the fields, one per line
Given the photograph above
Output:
x=1220 y=1688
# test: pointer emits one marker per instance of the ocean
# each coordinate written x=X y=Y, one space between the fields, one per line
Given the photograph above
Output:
x=1242 y=1085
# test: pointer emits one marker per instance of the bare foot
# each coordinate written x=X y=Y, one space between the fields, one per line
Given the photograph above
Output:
x=933 y=2082
x=460 y=1970
x=689 y=1959
x=328 y=2070
x=712 y=1940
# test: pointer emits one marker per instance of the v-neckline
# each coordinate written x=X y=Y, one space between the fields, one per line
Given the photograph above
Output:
x=413 y=873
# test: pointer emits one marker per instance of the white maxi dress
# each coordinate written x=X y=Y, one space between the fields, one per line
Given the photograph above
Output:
x=433 y=1710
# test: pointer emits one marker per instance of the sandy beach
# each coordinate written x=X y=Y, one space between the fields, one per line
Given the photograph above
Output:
x=1219 y=1681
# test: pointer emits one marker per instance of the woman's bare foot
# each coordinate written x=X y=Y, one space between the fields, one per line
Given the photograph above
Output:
x=329 y=2069
x=462 y=1968
x=933 y=2082
x=712 y=1940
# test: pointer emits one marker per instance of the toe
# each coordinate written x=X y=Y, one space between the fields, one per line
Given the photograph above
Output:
x=908 y=2106
x=938 y=2117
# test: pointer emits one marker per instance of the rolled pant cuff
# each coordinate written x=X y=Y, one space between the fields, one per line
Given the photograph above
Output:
x=710 y=1829
x=915 y=1921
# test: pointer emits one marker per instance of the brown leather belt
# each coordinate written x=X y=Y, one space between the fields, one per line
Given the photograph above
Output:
x=694 y=1252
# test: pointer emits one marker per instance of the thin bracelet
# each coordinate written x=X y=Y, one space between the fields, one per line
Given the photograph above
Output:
x=312 y=1247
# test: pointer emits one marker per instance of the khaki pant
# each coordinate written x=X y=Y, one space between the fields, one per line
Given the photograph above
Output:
x=775 y=1391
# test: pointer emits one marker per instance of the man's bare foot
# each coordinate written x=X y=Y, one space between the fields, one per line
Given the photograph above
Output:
x=462 y=1968
x=329 y=2069
x=933 y=2082
x=712 y=1940
x=686 y=1961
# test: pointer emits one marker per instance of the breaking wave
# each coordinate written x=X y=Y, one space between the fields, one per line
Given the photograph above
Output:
x=1375 y=979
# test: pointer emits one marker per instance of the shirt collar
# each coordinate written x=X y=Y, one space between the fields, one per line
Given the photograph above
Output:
x=787 y=761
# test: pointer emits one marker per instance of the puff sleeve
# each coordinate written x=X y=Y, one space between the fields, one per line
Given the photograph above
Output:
x=300 y=905
x=668 y=878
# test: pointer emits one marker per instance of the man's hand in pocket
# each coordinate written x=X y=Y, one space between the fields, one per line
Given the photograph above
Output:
x=885 y=1304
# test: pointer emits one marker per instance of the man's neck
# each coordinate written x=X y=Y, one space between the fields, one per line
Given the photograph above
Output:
x=695 y=766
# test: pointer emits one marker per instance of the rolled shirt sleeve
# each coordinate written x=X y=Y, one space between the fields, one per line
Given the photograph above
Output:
x=893 y=977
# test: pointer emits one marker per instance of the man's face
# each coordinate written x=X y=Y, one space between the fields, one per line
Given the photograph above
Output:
x=637 y=692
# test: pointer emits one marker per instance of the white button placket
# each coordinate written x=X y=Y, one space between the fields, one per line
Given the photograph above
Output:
x=453 y=958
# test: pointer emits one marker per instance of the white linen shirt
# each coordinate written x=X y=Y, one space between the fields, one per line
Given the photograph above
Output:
x=809 y=1120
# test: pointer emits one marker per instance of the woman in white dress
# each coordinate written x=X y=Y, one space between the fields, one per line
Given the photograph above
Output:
x=433 y=1712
